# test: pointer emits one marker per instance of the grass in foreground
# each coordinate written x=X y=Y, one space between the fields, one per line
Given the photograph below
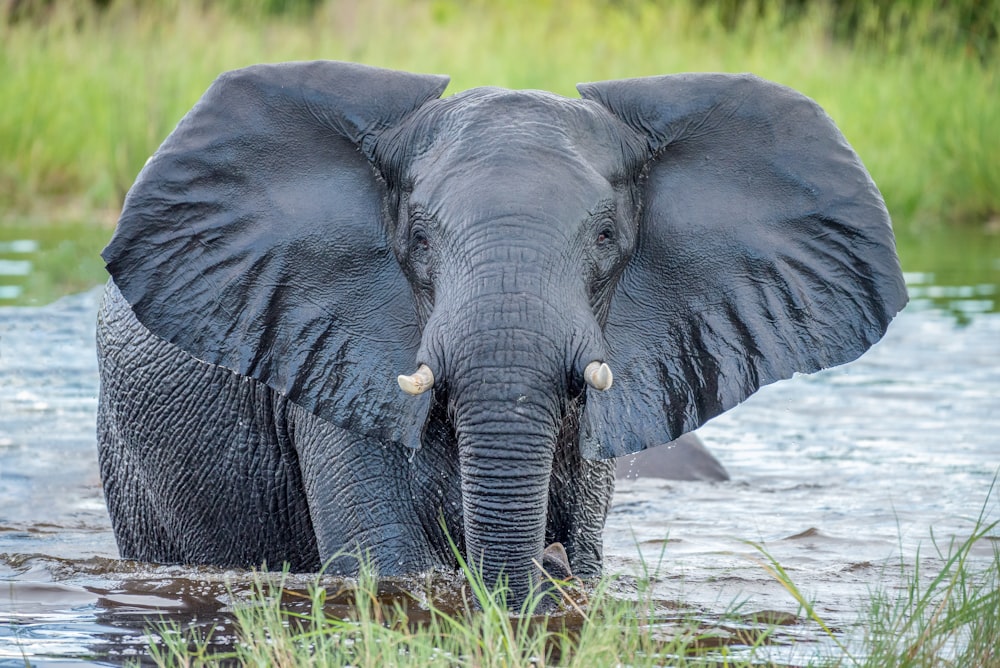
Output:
x=383 y=632
x=952 y=618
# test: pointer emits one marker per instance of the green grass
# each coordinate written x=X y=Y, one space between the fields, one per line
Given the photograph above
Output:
x=950 y=618
x=90 y=95
x=597 y=628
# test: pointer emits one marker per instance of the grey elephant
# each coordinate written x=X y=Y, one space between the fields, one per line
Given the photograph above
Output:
x=343 y=309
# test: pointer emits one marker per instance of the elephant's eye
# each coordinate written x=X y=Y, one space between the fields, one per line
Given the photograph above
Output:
x=604 y=237
x=420 y=240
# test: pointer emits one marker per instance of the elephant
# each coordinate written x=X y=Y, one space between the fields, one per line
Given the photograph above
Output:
x=349 y=317
x=684 y=458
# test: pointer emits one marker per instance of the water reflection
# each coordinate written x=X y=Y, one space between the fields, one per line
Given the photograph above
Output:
x=953 y=269
x=104 y=617
x=839 y=474
x=42 y=262
x=10 y=268
x=963 y=301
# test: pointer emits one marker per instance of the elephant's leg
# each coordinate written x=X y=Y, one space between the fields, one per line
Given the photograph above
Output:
x=436 y=487
x=579 y=498
x=359 y=499
x=195 y=464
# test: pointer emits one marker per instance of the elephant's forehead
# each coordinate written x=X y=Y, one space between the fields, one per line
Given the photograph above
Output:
x=502 y=121
x=486 y=131
x=485 y=105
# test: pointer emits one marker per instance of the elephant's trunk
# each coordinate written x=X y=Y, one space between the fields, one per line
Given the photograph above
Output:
x=507 y=386
x=505 y=484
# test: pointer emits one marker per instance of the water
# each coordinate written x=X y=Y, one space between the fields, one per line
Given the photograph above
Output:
x=839 y=475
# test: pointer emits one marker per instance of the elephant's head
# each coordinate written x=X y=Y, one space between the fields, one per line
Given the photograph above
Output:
x=326 y=227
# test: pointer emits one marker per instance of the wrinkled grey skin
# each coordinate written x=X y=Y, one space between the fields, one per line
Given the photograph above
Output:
x=311 y=230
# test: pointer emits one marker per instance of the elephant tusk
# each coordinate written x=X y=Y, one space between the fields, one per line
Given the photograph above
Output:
x=598 y=375
x=419 y=382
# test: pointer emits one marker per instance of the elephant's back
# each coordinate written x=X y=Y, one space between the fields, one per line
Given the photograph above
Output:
x=685 y=458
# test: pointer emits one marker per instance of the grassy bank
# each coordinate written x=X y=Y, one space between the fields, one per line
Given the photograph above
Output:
x=950 y=618
x=90 y=94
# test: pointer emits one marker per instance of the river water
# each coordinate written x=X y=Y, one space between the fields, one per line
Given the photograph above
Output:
x=839 y=475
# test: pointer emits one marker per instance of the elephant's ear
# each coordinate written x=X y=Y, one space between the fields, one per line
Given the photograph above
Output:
x=764 y=249
x=255 y=239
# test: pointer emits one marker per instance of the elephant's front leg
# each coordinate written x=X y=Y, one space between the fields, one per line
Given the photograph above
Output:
x=359 y=499
x=579 y=498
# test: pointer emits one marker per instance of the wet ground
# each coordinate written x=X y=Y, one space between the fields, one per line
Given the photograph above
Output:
x=839 y=475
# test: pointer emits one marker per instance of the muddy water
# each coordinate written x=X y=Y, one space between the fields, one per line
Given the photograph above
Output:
x=838 y=475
